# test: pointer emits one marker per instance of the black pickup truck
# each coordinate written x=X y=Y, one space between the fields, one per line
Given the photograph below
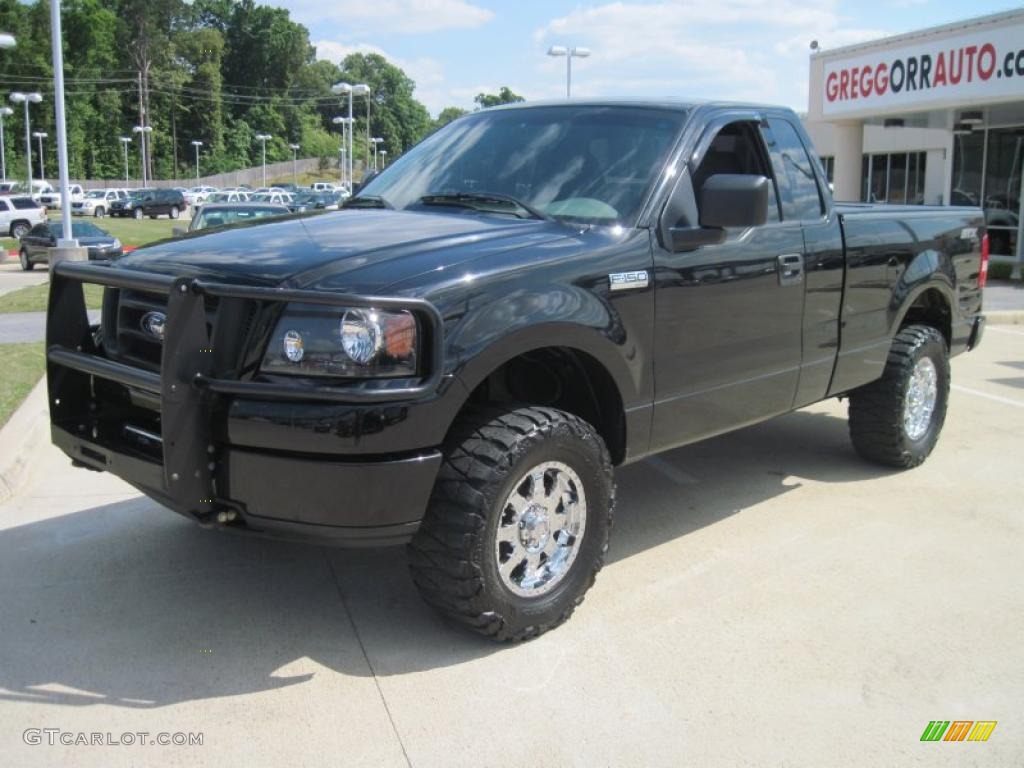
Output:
x=528 y=298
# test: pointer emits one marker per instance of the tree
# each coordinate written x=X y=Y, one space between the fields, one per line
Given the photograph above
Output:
x=504 y=96
x=447 y=115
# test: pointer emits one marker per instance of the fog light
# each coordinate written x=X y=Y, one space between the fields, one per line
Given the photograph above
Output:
x=293 y=346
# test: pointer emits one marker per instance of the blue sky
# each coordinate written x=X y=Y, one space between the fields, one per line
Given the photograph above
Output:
x=731 y=49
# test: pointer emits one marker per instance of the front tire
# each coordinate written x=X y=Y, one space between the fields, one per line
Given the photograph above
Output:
x=138 y=214
x=896 y=420
x=100 y=212
x=27 y=264
x=518 y=522
x=174 y=212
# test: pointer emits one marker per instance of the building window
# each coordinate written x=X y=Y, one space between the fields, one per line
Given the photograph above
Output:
x=829 y=164
x=893 y=178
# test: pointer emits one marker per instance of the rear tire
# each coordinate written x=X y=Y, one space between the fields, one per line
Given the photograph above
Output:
x=518 y=522
x=138 y=214
x=27 y=264
x=174 y=212
x=19 y=229
x=896 y=420
x=100 y=212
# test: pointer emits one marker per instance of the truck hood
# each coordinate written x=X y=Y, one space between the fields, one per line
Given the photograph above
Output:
x=357 y=250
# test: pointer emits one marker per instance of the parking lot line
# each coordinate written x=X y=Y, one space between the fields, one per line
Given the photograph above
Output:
x=997 y=398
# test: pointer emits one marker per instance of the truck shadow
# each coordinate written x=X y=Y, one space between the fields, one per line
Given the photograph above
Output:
x=128 y=605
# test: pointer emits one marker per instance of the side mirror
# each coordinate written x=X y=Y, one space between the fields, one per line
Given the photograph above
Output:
x=734 y=200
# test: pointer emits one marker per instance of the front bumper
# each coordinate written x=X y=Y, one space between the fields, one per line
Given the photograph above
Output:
x=166 y=432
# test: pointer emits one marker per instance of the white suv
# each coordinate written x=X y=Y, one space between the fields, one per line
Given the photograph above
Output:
x=19 y=214
x=97 y=202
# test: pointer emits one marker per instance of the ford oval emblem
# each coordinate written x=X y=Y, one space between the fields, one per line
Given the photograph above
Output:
x=153 y=324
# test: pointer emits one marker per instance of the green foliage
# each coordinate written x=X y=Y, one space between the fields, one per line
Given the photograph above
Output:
x=217 y=71
x=504 y=96
x=448 y=114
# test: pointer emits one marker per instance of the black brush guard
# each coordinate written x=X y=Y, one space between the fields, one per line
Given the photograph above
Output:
x=184 y=386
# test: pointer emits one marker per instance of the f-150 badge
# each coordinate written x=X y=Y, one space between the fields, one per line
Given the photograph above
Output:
x=621 y=281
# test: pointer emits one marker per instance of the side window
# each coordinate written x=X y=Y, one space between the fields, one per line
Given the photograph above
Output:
x=3 y=206
x=801 y=198
x=737 y=148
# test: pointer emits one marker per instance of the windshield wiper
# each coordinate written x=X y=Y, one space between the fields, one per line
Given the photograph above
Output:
x=470 y=200
x=368 y=201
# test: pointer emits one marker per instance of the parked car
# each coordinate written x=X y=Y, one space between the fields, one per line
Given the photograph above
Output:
x=322 y=186
x=314 y=201
x=53 y=199
x=223 y=214
x=460 y=356
x=150 y=202
x=35 y=246
x=19 y=214
x=10 y=187
x=200 y=195
x=40 y=189
x=276 y=197
x=97 y=202
x=228 y=196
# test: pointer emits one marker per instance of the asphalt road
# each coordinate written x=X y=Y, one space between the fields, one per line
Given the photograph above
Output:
x=769 y=599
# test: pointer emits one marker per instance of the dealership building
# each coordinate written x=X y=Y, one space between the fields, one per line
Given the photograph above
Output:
x=930 y=117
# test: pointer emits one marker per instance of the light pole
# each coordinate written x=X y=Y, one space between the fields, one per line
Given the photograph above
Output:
x=569 y=53
x=383 y=159
x=142 y=130
x=375 y=141
x=197 y=145
x=352 y=90
x=263 y=138
x=345 y=123
x=4 y=112
x=125 y=141
x=40 y=135
x=295 y=163
x=27 y=98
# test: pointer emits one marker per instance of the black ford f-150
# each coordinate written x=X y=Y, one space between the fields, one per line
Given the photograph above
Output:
x=529 y=297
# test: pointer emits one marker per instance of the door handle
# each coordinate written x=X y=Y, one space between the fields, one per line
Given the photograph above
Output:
x=791 y=269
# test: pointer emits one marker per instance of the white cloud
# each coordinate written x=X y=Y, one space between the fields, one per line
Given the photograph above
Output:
x=393 y=16
x=730 y=49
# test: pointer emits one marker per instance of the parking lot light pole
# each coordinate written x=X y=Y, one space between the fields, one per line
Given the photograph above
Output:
x=569 y=53
x=352 y=90
x=142 y=130
x=197 y=145
x=344 y=123
x=295 y=163
x=4 y=112
x=27 y=98
x=125 y=141
x=40 y=135
x=67 y=245
x=375 y=141
x=263 y=138
x=383 y=159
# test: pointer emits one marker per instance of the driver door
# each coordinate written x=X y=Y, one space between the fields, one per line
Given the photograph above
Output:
x=728 y=315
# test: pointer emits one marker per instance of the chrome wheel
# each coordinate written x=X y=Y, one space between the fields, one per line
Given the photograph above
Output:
x=540 y=529
x=919 y=402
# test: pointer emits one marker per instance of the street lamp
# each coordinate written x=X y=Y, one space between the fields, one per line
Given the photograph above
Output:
x=263 y=138
x=345 y=123
x=569 y=53
x=197 y=145
x=125 y=141
x=383 y=159
x=142 y=130
x=353 y=90
x=18 y=97
x=375 y=141
x=42 y=168
x=4 y=112
x=295 y=163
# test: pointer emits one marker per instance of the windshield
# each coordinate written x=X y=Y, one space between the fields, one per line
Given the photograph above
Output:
x=593 y=164
x=78 y=229
x=96 y=194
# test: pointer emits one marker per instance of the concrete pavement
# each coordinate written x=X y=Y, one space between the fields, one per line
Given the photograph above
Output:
x=769 y=599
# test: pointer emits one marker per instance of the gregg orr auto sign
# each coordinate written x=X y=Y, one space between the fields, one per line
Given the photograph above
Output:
x=969 y=67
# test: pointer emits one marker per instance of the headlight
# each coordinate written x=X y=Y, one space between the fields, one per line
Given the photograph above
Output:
x=314 y=340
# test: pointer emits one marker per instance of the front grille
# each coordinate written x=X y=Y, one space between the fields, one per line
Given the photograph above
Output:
x=125 y=336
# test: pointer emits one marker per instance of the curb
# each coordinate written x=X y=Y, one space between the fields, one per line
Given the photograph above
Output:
x=22 y=436
x=1005 y=317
